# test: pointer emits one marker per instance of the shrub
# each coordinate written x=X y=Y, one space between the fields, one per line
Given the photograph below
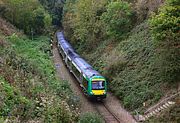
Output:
x=165 y=30
x=82 y=19
x=90 y=118
x=117 y=19
x=27 y=70
x=28 y=15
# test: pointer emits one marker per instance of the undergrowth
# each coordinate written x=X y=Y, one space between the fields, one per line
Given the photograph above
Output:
x=131 y=69
x=29 y=89
x=168 y=116
x=138 y=81
x=90 y=118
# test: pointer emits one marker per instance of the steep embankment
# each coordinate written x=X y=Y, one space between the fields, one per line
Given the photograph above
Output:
x=29 y=90
x=133 y=73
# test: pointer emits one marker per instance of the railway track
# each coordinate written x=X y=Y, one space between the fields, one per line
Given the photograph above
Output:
x=107 y=115
x=100 y=107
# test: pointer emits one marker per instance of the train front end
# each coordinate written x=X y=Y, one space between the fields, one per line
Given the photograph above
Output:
x=98 y=87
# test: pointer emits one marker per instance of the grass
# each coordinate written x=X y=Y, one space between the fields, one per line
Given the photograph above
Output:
x=30 y=90
x=90 y=118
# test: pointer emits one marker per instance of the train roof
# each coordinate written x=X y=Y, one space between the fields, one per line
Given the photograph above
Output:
x=85 y=68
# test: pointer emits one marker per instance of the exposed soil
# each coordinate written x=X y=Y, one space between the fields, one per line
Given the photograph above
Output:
x=114 y=106
x=2 y=42
x=108 y=116
x=6 y=28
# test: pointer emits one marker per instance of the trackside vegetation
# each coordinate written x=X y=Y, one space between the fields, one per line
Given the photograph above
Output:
x=29 y=89
x=90 y=118
x=117 y=19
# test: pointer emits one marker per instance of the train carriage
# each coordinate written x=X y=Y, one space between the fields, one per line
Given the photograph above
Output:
x=93 y=83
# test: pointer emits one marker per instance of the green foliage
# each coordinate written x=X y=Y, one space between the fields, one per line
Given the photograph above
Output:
x=11 y=99
x=168 y=116
x=32 y=51
x=138 y=80
x=82 y=19
x=166 y=23
x=173 y=2
x=90 y=118
x=87 y=23
x=165 y=30
x=2 y=119
x=28 y=15
x=117 y=19
x=55 y=9
x=57 y=112
x=31 y=90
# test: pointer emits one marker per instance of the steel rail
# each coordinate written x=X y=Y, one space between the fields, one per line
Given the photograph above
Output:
x=106 y=113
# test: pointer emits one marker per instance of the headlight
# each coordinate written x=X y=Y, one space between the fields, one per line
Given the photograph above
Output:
x=91 y=93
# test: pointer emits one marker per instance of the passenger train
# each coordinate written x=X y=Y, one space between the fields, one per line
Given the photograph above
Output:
x=93 y=83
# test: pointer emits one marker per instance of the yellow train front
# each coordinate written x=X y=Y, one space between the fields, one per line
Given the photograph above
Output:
x=97 y=87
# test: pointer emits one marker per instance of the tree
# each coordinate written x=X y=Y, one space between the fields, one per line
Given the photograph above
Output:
x=117 y=19
x=27 y=15
x=83 y=18
x=165 y=30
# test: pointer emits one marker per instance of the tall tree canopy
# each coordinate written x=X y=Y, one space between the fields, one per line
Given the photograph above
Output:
x=28 y=15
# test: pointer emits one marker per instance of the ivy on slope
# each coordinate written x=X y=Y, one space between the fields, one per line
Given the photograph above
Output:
x=139 y=80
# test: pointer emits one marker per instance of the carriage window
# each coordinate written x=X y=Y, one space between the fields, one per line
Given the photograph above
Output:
x=98 y=85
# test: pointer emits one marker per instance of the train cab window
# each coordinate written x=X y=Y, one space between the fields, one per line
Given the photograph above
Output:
x=98 y=85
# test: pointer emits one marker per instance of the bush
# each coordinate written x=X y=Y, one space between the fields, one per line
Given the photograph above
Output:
x=27 y=70
x=117 y=19
x=82 y=19
x=165 y=30
x=165 y=24
x=12 y=102
x=90 y=118
x=135 y=79
x=29 y=16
